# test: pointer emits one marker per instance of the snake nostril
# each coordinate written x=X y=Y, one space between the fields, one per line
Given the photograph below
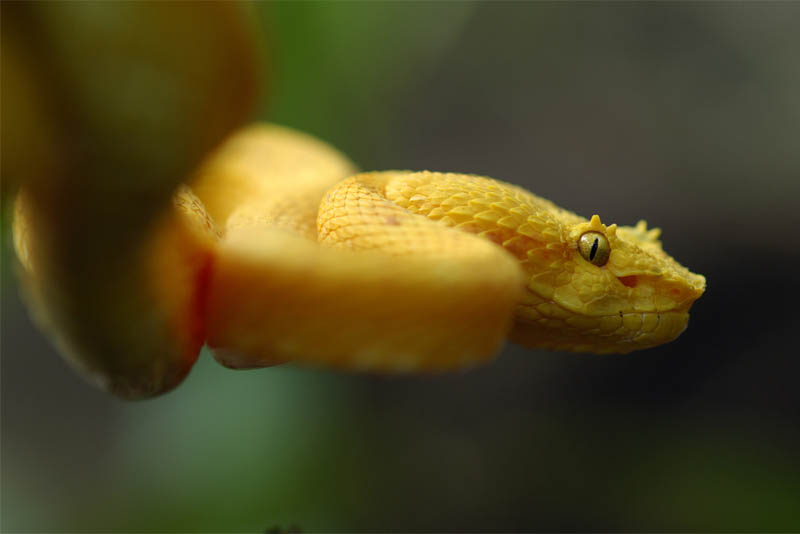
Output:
x=628 y=281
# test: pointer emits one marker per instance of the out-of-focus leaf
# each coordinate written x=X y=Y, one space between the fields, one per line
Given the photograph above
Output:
x=130 y=96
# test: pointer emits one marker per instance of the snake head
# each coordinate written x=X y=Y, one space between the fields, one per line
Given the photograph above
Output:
x=605 y=289
x=589 y=287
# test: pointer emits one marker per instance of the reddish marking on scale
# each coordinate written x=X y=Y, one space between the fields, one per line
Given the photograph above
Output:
x=628 y=281
x=496 y=236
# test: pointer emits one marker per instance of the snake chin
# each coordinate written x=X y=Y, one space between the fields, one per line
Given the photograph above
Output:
x=610 y=334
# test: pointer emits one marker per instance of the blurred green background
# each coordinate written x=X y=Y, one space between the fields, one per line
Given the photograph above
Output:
x=684 y=114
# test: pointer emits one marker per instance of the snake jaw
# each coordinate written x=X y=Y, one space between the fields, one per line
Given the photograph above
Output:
x=614 y=334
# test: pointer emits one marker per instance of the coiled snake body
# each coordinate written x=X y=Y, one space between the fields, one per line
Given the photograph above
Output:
x=405 y=271
x=279 y=252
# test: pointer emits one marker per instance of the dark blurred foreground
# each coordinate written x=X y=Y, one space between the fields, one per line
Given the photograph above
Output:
x=685 y=115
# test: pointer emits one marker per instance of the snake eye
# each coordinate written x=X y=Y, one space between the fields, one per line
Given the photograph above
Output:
x=594 y=247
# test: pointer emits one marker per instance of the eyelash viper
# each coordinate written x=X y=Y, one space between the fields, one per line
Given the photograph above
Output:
x=407 y=271
x=279 y=251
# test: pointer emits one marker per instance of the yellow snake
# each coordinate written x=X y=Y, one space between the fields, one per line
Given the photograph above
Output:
x=280 y=252
x=408 y=271
x=277 y=250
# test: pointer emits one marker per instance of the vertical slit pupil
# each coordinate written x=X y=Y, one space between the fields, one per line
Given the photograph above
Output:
x=594 y=249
